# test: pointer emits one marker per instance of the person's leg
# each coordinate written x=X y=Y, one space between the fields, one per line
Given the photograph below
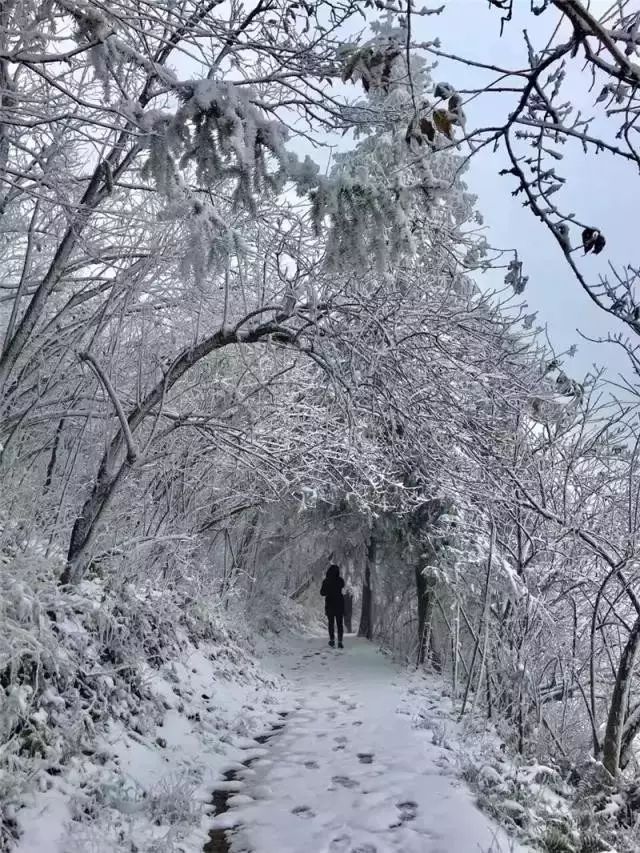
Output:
x=340 y=628
x=332 y=630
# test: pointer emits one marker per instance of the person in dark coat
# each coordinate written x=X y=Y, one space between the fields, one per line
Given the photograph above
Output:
x=331 y=589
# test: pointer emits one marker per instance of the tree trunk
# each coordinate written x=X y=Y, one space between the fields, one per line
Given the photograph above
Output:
x=422 y=593
x=425 y=593
x=484 y=616
x=91 y=199
x=612 y=747
x=348 y=612
x=54 y=455
x=456 y=652
x=366 y=614
x=629 y=734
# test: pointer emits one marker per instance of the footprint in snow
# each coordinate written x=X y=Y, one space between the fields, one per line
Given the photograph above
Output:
x=365 y=757
x=408 y=812
x=311 y=765
x=341 y=739
x=344 y=782
x=342 y=844
x=303 y=811
x=409 y=809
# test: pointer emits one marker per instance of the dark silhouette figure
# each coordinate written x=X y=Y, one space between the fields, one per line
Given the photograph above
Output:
x=348 y=609
x=331 y=589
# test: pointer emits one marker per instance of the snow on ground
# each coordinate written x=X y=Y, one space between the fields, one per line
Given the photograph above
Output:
x=353 y=771
x=367 y=762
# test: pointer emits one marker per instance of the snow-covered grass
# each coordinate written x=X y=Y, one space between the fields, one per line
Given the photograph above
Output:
x=153 y=790
x=119 y=708
x=546 y=806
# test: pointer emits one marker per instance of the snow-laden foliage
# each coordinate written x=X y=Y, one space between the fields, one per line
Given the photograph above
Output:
x=77 y=666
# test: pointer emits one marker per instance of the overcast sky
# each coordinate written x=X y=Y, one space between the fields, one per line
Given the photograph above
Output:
x=599 y=190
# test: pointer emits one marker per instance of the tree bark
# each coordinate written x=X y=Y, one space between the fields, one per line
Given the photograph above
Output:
x=422 y=593
x=425 y=593
x=484 y=616
x=54 y=455
x=629 y=734
x=91 y=199
x=613 y=738
x=366 y=614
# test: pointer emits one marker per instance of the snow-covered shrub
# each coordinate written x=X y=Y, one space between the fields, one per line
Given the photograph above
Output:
x=439 y=735
x=72 y=661
x=172 y=800
x=9 y=797
x=549 y=812
x=558 y=838
x=69 y=653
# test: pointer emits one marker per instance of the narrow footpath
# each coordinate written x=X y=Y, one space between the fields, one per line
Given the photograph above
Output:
x=350 y=772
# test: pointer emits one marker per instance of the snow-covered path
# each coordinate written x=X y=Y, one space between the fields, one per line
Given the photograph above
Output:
x=350 y=773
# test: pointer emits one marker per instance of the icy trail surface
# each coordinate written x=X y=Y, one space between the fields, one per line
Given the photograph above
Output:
x=351 y=772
